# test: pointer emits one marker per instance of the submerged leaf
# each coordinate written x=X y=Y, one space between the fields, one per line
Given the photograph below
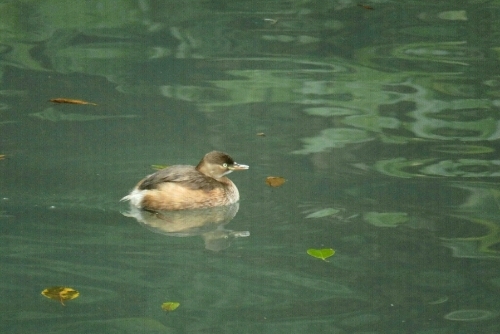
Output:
x=453 y=15
x=275 y=181
x=386 y=219
x=365 y=6
x=441 y=300
x=323 y=213
x=169 y=306
x=322 y=254
x=60 y=293
x=71 y=101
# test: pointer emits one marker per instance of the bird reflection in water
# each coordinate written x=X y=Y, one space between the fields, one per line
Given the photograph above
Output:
x=208 y=223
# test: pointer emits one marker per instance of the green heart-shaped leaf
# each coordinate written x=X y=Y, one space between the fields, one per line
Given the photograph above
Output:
x=322 y=254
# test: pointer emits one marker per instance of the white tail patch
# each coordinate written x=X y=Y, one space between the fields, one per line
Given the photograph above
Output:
x=135 y=198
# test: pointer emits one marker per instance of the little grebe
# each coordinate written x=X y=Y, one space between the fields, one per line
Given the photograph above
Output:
x=182 y=187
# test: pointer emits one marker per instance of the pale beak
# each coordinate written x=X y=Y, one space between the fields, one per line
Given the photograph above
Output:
x=237 y=166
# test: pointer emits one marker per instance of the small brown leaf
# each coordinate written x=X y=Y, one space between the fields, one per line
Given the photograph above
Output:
x=365 y=6
x=275 y=181
x=71 y=101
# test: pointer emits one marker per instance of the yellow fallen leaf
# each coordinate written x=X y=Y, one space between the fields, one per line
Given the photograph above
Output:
x=275 y=181
x=60 y=293
x=169 y=306
x=71 y=101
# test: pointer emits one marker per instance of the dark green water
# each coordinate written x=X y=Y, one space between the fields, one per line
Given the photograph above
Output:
x=385 y=122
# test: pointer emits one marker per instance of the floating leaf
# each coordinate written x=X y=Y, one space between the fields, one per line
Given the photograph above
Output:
x=275 y=181
x=158 y=167
x=60 y=293
x=169 y=306
x=386 y=219
x=322 y=254
x=261 y=134
x=2 y=156
x=71 y=101
x=323 y=213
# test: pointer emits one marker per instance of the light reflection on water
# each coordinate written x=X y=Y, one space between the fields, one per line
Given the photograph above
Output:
x=387 y=143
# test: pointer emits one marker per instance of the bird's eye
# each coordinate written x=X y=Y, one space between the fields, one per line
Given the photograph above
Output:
x=224 y=165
